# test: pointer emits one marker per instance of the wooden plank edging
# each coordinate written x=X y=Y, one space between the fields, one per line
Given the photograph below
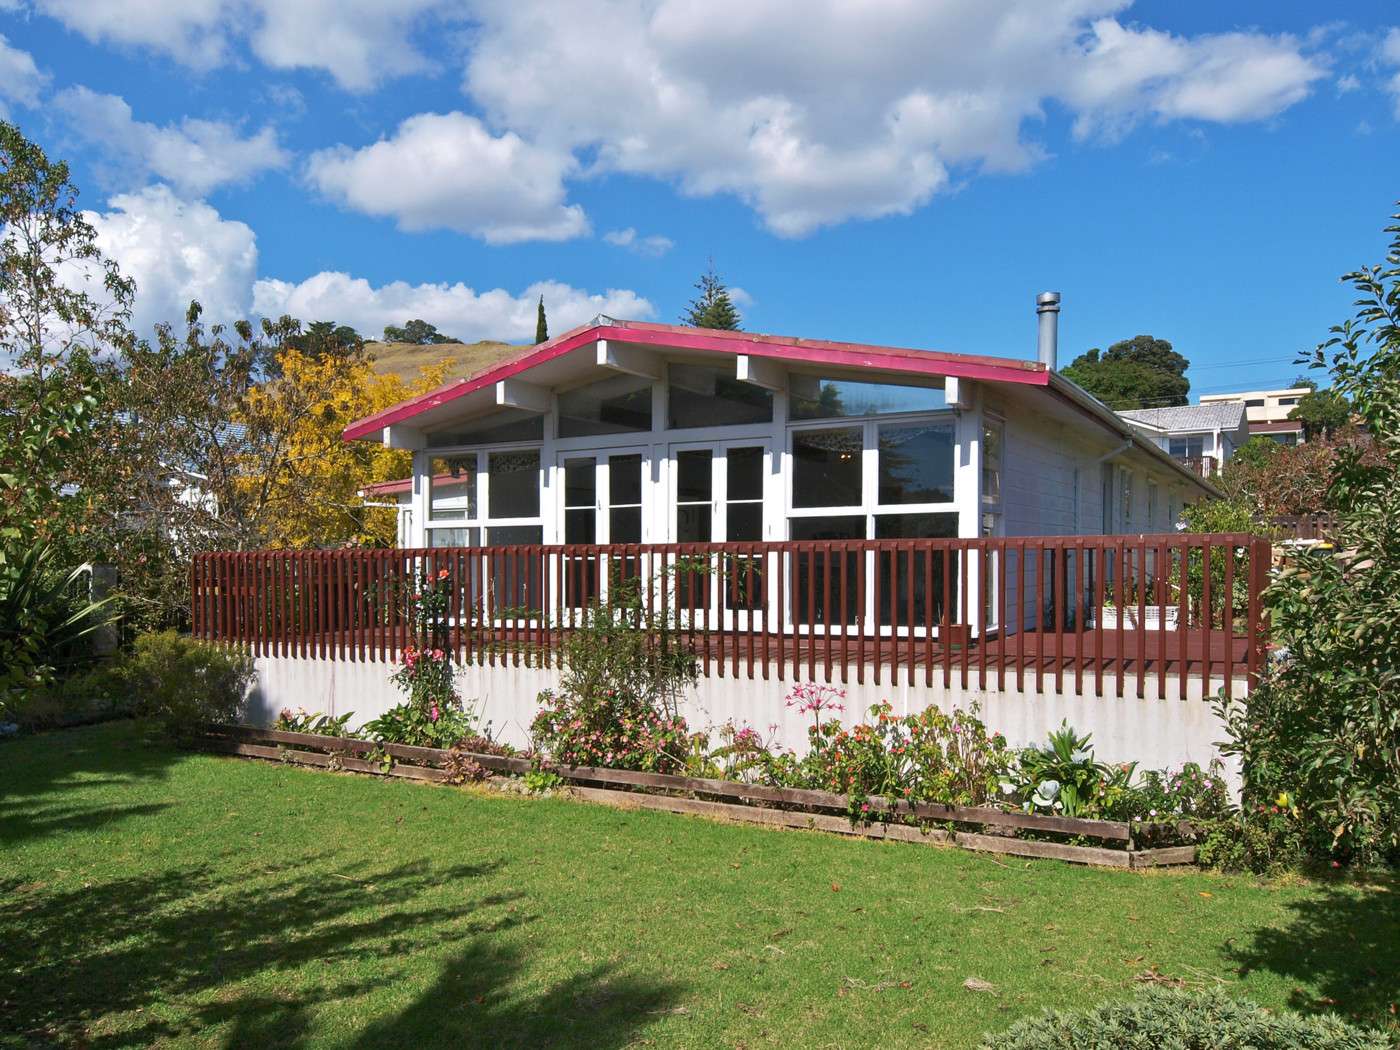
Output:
x=341 y=752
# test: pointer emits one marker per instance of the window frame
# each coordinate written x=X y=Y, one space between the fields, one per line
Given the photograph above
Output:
x=482 y=521
x=870 y=506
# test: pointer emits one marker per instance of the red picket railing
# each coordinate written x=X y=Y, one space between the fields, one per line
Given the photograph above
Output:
x=1102 y=614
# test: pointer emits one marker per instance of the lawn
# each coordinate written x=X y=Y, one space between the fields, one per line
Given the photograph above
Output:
x=157 y=897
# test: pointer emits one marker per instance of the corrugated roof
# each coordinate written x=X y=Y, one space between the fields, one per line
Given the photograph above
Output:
x=1224 y=415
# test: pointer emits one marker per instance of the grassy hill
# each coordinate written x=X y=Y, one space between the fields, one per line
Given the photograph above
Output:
x=406 y=360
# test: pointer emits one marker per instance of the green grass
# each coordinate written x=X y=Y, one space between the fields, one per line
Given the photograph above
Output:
x=157 y=897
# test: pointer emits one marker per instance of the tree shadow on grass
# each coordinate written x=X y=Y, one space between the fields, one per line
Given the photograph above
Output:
x=1342 y=944
x=43 y=770
x=472 y=1005
x=256 y=953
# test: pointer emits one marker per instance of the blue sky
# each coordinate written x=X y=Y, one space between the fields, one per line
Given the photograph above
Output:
x=909 y=174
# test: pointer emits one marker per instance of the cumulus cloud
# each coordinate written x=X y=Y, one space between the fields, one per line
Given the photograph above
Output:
x=177 y=250
x=194 y=156
x=447 y=171
x=849 y=112
x=454 y=308
x=20 y=79
x=359 y=43
x=654 y=246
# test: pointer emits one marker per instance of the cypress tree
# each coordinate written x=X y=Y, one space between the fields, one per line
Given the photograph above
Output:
x=712 y=308
x=541 y=325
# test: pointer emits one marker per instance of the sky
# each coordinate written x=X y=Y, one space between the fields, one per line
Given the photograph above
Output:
x=903 y=172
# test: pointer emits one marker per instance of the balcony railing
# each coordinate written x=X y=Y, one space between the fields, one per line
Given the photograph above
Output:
x=1104 y=613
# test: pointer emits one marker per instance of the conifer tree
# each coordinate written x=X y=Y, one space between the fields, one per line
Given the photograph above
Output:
x=712 y=308
x=541 y=324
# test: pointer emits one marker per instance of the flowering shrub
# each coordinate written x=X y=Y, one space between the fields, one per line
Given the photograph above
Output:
x=411 y=724
x=624 y=670
x=610 y=729
x=1192 y=792
x=926 y=757
x=743 y=754
x=433 y=715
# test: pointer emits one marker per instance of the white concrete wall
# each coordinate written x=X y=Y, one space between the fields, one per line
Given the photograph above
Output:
x=1154 y=733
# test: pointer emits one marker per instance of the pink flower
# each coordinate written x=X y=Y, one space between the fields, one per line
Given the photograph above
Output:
x=434 y=714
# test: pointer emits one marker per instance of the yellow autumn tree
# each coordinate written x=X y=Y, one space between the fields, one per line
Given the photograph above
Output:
x=302 y=477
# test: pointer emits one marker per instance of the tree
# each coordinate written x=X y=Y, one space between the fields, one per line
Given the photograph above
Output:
x=418 y=332
x=1320 y=735
x=327 y=337
x=541 y=324
x=1322 y=412
x=1141 y=372
x=1305 y=381
x=60 y=298
x=713 y=307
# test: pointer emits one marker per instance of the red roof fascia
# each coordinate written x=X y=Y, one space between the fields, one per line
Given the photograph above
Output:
x=808 y=351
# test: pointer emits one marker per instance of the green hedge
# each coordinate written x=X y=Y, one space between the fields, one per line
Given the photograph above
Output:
x=1162 y=1019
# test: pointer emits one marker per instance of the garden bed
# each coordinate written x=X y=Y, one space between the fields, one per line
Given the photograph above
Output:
x=978 y=828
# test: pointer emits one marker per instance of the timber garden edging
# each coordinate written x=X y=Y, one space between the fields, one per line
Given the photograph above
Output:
x=732 y=800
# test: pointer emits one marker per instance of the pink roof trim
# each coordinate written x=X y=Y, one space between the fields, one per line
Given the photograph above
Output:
x=808 y=351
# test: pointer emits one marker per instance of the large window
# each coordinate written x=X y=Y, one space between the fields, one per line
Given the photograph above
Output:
x=705 y=396
x=844 y=398
x=916 y=463
x=491 y=497
x=616 y=405
x=873 y=480
x=827 y=467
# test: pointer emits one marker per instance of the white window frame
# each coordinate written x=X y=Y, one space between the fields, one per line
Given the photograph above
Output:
x=482 y=521
x=870 y=507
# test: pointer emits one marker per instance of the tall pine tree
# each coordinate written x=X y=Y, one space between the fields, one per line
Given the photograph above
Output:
x=712 y=308
x=541 y=325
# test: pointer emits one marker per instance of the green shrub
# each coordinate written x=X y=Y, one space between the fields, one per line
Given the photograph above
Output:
x=182 y=683
x=97 y=693
x=1162 y=1019
x=442 y=725
x=299 y=721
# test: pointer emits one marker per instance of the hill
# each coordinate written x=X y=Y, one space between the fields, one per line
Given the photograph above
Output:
x=406 y=360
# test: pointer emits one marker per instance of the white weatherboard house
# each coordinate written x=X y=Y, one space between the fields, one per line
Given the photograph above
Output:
x=907 y=525
x=627 y=432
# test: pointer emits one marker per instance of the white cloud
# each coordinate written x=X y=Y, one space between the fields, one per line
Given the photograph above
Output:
x=1124 y=75
x=1347 y=83
x=454 y=308
x=653 y=246
x=20 y=79
x=1388 y=54
x=175 y=251
x=447 y=171
x=850 y=111
x=360 y=43
x=195 y=156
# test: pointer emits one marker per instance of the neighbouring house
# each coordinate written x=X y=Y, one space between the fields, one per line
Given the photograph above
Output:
x=630 y=432
x=1268 y=411
x=398 y=495
x=1203 y=437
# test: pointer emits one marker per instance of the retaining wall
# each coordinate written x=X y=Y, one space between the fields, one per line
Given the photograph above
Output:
x=1153 y=732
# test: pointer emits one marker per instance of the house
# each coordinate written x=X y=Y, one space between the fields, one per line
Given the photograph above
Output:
x=917 y=527
x=1268 y=411
x=632 y=432
x=1203 y=436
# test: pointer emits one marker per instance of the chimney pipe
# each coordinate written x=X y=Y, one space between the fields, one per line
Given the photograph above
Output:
x=1047 y=308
